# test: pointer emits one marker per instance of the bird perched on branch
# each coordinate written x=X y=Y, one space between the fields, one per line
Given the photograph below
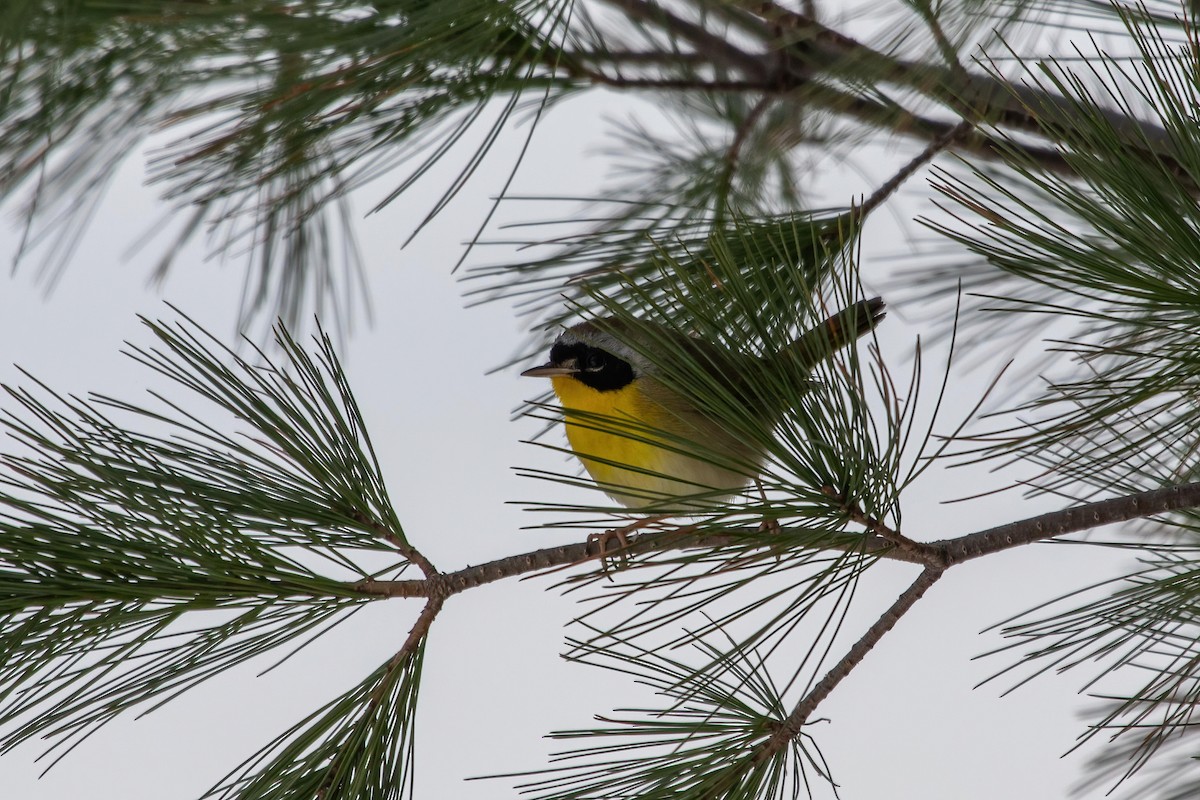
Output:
x=642 y=437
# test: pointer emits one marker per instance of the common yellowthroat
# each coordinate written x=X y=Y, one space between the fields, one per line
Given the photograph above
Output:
x=626 y=424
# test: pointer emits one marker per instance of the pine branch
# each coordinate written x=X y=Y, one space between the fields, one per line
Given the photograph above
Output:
x=706 y=42
x=944 y=553
x=140 y=530
x=335 y=100
x=570 y=555
x=791 y=727
x=920 y=553
x=947 y=139
x=814 y=49
x=980 y=98
x=1142 y=505
x=315 y=483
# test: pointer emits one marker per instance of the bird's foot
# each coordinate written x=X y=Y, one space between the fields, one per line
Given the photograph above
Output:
x=768 y=524
x=603 y=543
x=771 y=526
x=621 y=535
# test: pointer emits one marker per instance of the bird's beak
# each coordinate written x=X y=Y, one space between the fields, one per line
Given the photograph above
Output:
x=550 y=370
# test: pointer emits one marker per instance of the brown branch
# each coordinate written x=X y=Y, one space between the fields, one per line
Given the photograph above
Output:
x=655 y=58
x=791 y=727
x=797 y=47
x=688 y=84
x=979 y=97
x=718 y=48
x=418 y=632
x=734 y=153
x=397 y=540
x=955 y=134
x=882 y=542
x=586 y=64
x=1070 y=520
x=768 y=72
x=868 y=111
x=975 y=545
x=452 y=583
x=415 y=556
x=419 y=629
x=906 y=123
x=930 y=555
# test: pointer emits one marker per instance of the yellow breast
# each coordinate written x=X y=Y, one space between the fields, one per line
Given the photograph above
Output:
x=612 y=433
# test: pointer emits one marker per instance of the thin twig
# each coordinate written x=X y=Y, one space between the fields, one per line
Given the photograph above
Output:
x=939 y=144
x=930 y=555
x=791 y=727
x=679 y=84
x=419 y=629
x=416 y=634
x=397 y=540
x=944 y=45
x=710 y=44
x=734 y=153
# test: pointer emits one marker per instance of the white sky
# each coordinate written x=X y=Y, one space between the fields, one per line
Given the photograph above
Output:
x=907 y=724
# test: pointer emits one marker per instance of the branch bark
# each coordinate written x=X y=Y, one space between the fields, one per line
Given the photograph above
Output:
x=567 y=555
x=978 y=96
x=790 y=728
x=943 y=553
x=1070 y=520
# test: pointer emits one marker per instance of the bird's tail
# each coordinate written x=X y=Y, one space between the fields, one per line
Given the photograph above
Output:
x=833 y=334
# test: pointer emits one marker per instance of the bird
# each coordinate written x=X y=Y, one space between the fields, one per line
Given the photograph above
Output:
x=644 y=438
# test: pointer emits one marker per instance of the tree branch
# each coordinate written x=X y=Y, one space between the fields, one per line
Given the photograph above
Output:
x=416 y=634
x=885 y=191
x=879 y=540
x=942 y=553
x=684 y=84
x=977 y=96
x=718 y=48
x=734 y=153
x=812 y=49
x=571 y=554
x=921 y=553
x=1070 y=520
x=791 y=727
x=397 y=540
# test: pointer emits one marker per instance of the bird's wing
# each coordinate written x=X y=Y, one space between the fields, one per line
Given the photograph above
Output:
x=844 y=327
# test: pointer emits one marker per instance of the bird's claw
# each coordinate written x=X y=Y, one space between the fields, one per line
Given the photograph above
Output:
x=602 y=542
x=769 y=526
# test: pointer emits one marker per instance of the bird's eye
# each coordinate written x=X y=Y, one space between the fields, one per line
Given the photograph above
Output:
x=594 y=362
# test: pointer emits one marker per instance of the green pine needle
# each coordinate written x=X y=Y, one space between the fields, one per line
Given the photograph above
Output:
x=120 y=521
x=1112 y=250
x=1143 y=627
x=704 y=743
x=358 y=747
x=274 y=112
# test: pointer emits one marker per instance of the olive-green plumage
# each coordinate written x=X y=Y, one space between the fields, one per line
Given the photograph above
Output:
x=627 y=425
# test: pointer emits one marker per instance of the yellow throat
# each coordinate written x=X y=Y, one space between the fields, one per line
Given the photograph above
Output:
x=608 y=434
x=601 y=436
